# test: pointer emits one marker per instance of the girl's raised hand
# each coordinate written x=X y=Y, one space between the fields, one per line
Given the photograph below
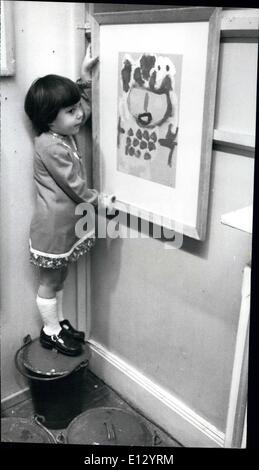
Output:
x=87 y=65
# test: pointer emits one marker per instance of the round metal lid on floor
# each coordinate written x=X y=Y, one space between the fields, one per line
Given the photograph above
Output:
x=15 y=429
x=108 y=426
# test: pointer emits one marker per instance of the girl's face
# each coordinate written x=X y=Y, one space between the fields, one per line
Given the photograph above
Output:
x=68 y=120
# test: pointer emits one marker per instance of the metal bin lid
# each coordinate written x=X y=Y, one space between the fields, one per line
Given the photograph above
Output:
x=15 y=429
x=108 y=426
x=49 y=363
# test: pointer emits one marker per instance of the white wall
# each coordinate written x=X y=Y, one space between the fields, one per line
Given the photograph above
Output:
x=46 y=41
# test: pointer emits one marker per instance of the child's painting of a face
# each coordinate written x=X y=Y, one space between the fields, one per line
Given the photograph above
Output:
x=148 y=110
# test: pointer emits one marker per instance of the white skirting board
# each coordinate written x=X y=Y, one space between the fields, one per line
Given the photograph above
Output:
x=156 y=403
x=15 y=398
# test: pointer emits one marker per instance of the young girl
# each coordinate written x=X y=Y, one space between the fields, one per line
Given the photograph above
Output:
x=57 y=107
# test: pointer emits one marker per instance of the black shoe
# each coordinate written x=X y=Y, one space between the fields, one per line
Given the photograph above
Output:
x=71 y=331
x=61 y=342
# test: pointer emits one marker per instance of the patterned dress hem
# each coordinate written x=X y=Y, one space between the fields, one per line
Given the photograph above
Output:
x=62 y=262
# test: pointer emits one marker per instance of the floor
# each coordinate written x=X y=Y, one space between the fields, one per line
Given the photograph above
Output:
x=94 y=393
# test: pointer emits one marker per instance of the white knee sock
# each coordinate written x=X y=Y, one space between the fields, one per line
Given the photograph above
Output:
x=48 y=311
x=59 y=297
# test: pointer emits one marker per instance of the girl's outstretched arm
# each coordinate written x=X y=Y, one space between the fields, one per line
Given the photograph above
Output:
x=85 y=83
x=88 y=65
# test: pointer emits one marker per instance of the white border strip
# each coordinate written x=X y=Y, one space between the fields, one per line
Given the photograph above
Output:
x=167 y=411
x=239 y=374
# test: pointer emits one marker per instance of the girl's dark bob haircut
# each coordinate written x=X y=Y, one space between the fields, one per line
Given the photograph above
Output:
x=46 y=96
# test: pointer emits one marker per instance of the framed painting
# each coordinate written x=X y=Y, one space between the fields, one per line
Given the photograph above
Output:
x=153 y=112
x=7 y=39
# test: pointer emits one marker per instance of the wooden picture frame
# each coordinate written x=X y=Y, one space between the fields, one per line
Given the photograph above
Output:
x=7 y=39
x=193 y=34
